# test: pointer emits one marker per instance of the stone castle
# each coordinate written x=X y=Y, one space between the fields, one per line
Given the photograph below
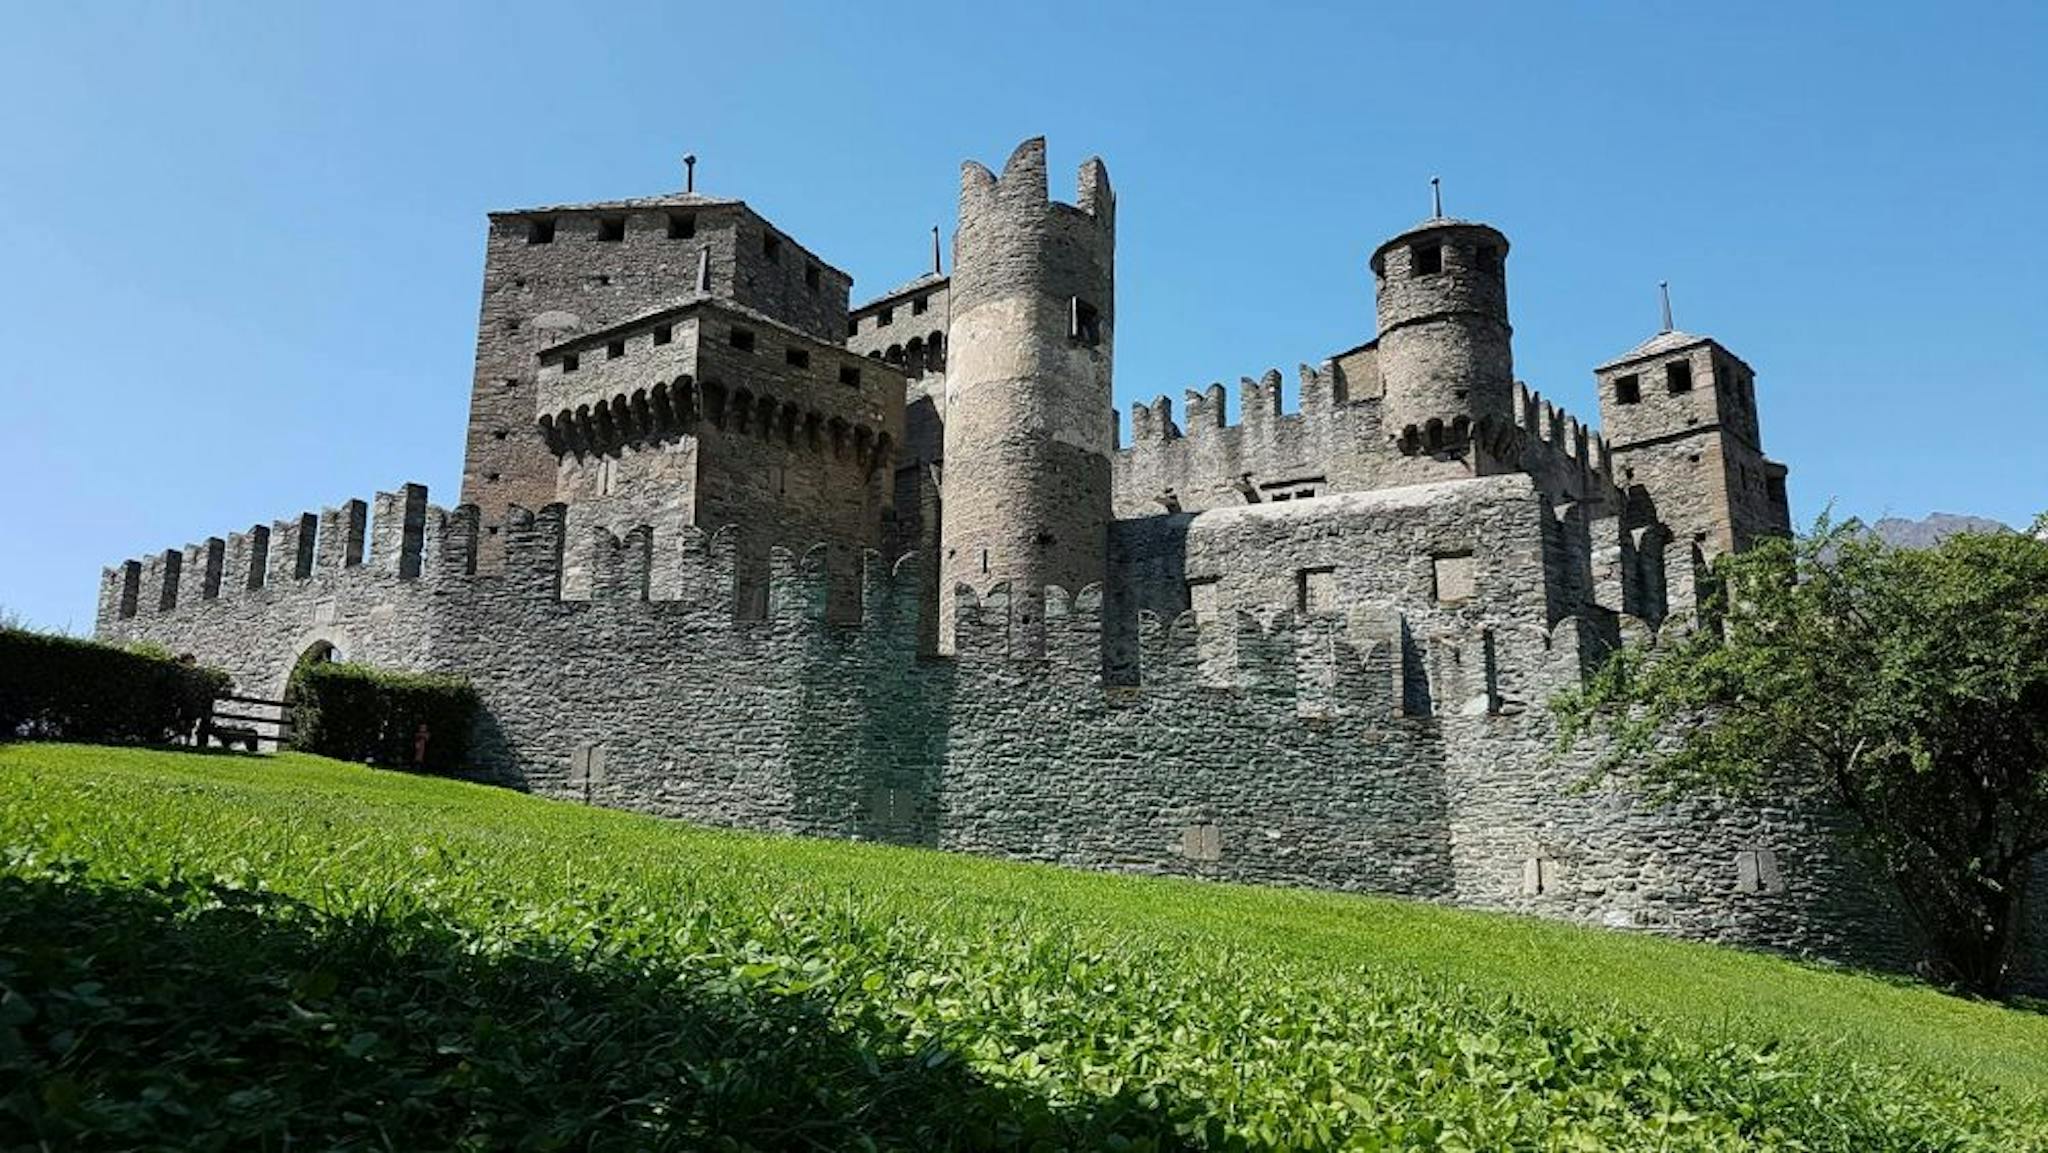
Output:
x=732 y=550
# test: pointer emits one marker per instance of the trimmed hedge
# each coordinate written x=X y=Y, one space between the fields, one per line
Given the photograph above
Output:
x=56 y=688
x=354 y=712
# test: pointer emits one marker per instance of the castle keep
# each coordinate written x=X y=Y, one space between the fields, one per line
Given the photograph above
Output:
x=731 y=550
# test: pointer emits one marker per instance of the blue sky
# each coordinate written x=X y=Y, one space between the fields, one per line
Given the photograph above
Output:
x=244 y=241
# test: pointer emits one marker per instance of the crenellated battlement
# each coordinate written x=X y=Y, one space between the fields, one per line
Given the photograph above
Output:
x=1562 y=433
x=397 y=540
x=1322 y=393
x=1024 y=186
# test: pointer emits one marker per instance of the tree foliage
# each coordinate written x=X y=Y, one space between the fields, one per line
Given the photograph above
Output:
x=1909 y=687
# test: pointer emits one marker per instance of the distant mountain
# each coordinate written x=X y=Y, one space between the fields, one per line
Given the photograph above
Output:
x=1932 y=529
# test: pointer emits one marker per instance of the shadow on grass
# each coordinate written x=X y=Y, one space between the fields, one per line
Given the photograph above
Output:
x=192 y=1017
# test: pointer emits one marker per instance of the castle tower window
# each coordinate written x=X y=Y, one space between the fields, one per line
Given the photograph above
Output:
x=1628 y=389
x=1426 y=259
x=1487 y=257
x=570 y=363
x=853 y=326
x=919 y=306
x=615 y=350
x=1539 y=876
x=540 y=230
x=850 y=375
x=682 y=225
x=811 y=277
x=771 y=247
x=664 y=333
x=796 y=357
x=885 y=318
x=742 y=339
x=894 y=355
x=1084 y=324
x=611 y=229
x=1678 y=377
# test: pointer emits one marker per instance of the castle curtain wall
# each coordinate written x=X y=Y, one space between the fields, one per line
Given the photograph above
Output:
x=1373 y=751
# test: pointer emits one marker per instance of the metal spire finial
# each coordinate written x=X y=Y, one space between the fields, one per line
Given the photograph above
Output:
x=689 y=172
x=1436 y=198
x=1664 y=294
x=937 y=268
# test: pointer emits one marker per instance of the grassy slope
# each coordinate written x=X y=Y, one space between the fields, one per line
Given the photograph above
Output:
x=338 y=836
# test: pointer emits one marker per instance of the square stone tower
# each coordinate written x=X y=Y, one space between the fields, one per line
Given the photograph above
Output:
x=1679 y=412
x=555 y=273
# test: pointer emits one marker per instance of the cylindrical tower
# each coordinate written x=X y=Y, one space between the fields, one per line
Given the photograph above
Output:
x=1445 y=351
x=1029 y=418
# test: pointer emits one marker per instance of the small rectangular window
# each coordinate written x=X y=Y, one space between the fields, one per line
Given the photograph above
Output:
x=1426 y=259
x=811 y=277
x=569 y=363
x=615 y=350
x=1756 y=871
x=849 y=374
x=611 y=229
x=1678 y=376
x=885 y=318
x=1084 y=325
x=682 y=225
x=540 y=230
x=1202 y=842
x=1456 y=578
x=853 y=326
x=664 y=334
x=919 y=306
x=771 y=246
x=743 y=339
x=1296 y=488
x=797 y=358
x=1628 y=389
x=1315 y=590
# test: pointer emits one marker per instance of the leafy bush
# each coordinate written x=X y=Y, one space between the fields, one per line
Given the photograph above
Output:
x=354 y=712
x=196 y=955
x=62 y=688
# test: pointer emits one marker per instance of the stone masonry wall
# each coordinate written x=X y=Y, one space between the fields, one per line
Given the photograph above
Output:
x=539 y=294
x=1273 y=746
x=1335 y=444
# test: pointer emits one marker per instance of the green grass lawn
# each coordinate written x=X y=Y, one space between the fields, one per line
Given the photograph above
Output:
x=250 y=953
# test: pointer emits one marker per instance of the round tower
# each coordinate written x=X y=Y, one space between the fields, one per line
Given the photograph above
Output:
x=1445 y=351
x=1029 y=418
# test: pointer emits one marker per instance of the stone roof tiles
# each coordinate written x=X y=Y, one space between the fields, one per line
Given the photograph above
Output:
x=663 y=200
x=1658 y=345
x=928 y=280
